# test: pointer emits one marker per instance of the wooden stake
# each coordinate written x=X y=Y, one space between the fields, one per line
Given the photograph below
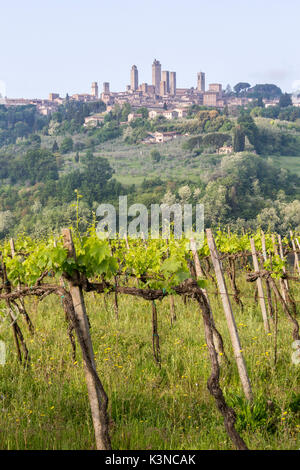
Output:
x=297 y=265
x=218 y=340
x=172 y=309
x=235 y=341
x=260 y=288
x=282 y=257
x=173 y=316
x=126 y=241
x=21 y=306
x=281 y=283
x=155 y=336
x=199 y=271
x=268 y=287
x=97 y=396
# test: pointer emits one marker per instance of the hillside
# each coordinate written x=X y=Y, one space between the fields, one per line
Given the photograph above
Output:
x=44 y=160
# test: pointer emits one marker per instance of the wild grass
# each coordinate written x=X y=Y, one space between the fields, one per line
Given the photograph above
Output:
x=46 y=406
x=289 y=163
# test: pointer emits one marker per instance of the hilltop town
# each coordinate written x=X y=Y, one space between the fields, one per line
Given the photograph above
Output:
x=161 y=97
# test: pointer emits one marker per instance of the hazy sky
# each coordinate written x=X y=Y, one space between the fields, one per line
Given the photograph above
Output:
x=63 y=45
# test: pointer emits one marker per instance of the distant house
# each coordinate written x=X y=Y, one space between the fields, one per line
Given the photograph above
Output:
x=172 y=114
x=181 y=112
x=94 y=120
x=270 y=103
x=154 y=113
x=226 y=150
x=133 y=116
x=296 y=100
x=161 y=137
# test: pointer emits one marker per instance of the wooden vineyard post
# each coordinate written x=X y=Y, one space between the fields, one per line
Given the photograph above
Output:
x=260 y=288
x=172 y=309
x=217 y=338
x=235 y=341
x=282 y=257
x=97 y=396
x=199 y=271
x=269 y=294
x=281 y=283
x=173 y=316
x=297 y=265
x=155 y=336
x=116 y=303
x=17 y=333
x=21 y=306
x=126 y=241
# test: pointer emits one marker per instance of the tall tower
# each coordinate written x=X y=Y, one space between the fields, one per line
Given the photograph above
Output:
x=201 y=82
x=173 y=83
x=156 y=75
x=106 y=88
x=95 y=91
x=163 y=88
x=134 y=78
x=165 y=77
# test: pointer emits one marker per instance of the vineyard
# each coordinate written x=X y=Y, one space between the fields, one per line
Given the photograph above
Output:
x=150 y=343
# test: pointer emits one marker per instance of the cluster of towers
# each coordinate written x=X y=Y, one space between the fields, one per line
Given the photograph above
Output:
x=164 y=82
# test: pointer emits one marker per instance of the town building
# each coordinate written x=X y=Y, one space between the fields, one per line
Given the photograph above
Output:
x=217 y=88
x=173 y=83
x=163 y=88
x=226 y=150
x=94 y=120
x=106 y=88
x=165 y=76
x=133 y=116
x=156 y=75
x=95 y=92
x=53 y=96
x=134 y=78
x=201 y=82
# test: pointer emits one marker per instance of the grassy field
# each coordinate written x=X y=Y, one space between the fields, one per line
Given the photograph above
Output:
x=133 y=163
x=46 y=407
x=290 y=163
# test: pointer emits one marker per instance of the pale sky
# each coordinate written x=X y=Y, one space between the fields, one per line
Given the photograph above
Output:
x=64 y=45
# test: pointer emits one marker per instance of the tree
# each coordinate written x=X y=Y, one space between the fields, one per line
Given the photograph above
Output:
x=250 y=129
x=192 y=143
x=285 y=101
x=66 y=145
x=144 y=112
x=55 y=147
x=267 y=91
x=228 y=90
x=216 y=139
x=155 y=156
x=96 y=174
x=241 y=87
x=38 y=165
x=126 y=110
x=238 y=140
